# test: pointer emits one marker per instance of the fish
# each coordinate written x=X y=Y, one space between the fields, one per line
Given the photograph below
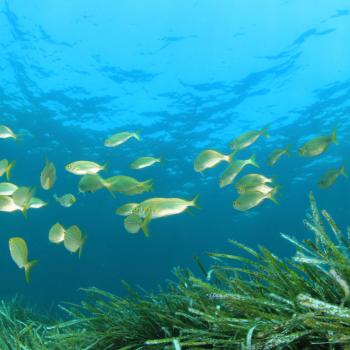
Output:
x=19 y=254
x=247 y=139
x=22 y=198
x=120 y=138
x=6 y=168
x=234 y=168
x=36 y=203
x=318 y=145
x=7 y=188
x=126 y=209
x=85 y=167
x=128 y=185
x=154 y=208
x=262 y=188
x=8 y=205
x=133 y=223
x=252 y=180
x=67 y=200
x=48 y=175
x=144 y=162
x=6 y=133
x=329 y=178
x=57 y=233
x=209 y=159
x=91 y=183
x=276 y=155
x=251 y=199
x=74 y=240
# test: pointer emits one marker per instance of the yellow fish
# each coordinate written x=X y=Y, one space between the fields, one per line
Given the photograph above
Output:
x=277 y=154
x=252 y=180
x=120 y=138
x=7 y=188
x=127 y=185
x=48 y=175
x=233 y=170
x=251 y=199
x=6 y=132
x=262 y=188
x=126 y=209
x=144 y=162
x=154 y=208
x=7 y=204
x=209 y=159
x=247 y=139
x=74 y=240
x=318 y=145
x=331 y=176
x=19 y=254
x=91 y=183
x=36 y=203
x=67 y=200
x=56 y=233
x=84 y=167
x=6 y=167
x=22 y=198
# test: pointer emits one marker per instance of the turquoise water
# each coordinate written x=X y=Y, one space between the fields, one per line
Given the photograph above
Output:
x=190 y=75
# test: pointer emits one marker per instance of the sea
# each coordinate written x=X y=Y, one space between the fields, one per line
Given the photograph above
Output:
x=189 y=75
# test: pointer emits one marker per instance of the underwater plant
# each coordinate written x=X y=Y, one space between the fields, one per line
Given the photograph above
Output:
x=252 y=301
x=258 y=302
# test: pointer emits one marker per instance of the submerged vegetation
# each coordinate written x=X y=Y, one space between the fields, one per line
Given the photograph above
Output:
x=250 y=301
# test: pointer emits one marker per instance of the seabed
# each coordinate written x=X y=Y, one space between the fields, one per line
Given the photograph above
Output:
x=253 y=301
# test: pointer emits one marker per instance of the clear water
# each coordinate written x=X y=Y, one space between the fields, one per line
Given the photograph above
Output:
x=190 y=75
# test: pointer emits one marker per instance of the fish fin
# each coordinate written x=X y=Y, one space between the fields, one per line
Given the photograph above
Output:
x=288 y=148
x=9 y=169
x=28 y=268
x=148 y=185
x=344 y=172
x=264 y=130
x=194 y=202
x=232 y=155
x=189 y=211
x=105 y=167
x=55 y=197
x=80 y=251
x=161 y=160
x=137 y=135
x=334 y=137
x=144 y=224
x=273 y=194
x=253 y=161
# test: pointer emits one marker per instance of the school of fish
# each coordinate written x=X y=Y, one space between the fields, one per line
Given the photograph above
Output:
x=252 y=188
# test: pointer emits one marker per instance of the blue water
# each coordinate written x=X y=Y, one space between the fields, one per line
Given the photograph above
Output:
x=190 y=75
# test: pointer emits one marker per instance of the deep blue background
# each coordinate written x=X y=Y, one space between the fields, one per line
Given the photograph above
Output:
x=191 y=75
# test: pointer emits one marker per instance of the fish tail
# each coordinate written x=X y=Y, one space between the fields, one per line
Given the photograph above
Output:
x=264 y=130
x=9 y=168
x=161 y=160
x=148 y=185
x=344 y=172
x=288 y=148
x=105 y=167
x=194 y=202
x=273 y=194
x=334 y=137
x=231 y=156
x=253 y=161
x=28 y=268
x=137 y=135
x=144 y=224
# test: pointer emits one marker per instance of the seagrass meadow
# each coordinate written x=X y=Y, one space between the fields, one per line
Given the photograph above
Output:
x=255 y=300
